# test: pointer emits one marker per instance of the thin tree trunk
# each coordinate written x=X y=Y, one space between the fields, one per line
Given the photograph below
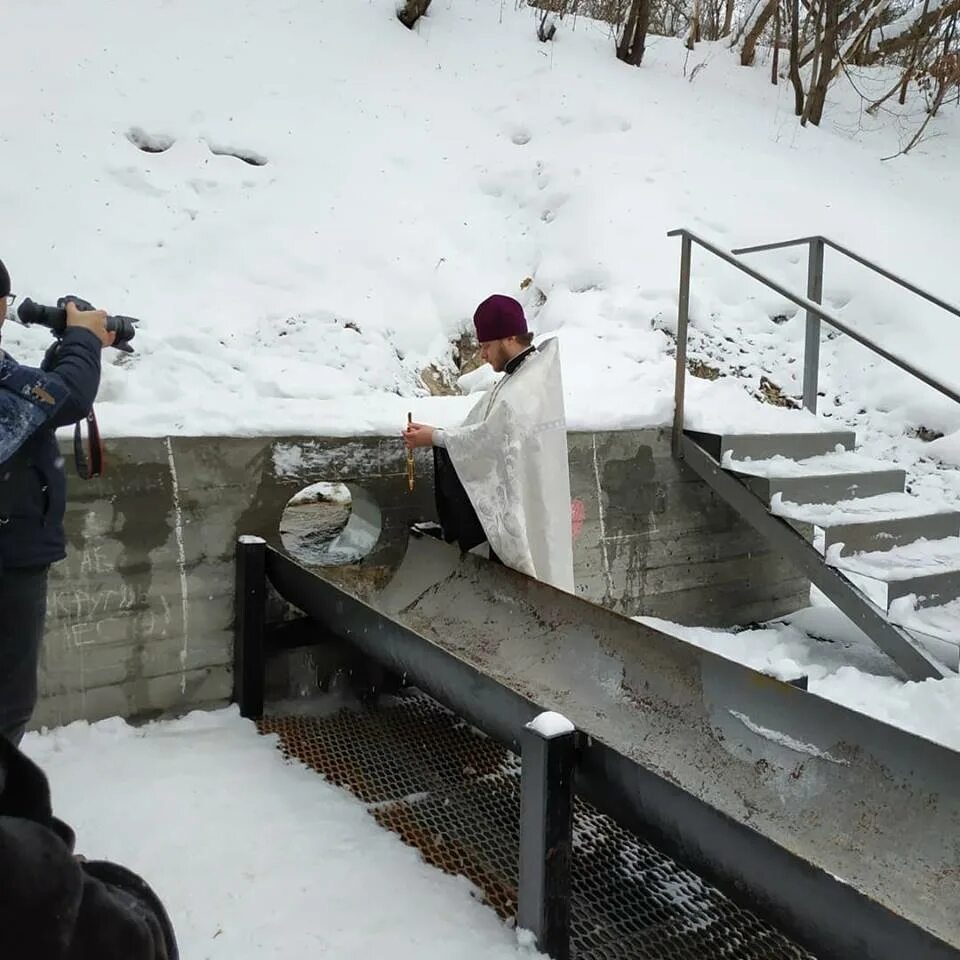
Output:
x=798 y=95
x=775 y=65
x=727 y=19
x=693 y=34
x=904 y=86
x=818 y=90
x=625 y=44
x=630 y=49
x=815 y=69
x=750 y=41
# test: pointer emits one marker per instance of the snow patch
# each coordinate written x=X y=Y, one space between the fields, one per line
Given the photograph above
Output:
x=785 y=740
x=841 y=664
x=885 y=506
x=550 y=724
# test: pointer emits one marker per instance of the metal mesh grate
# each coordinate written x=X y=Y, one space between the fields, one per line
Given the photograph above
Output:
x=455 y=795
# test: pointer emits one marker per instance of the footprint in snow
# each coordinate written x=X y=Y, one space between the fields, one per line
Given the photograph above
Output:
x=251 y=157
x=554 y=203
x=149 y=142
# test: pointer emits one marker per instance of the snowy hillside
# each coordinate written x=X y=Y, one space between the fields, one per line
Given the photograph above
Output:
x=392 y=179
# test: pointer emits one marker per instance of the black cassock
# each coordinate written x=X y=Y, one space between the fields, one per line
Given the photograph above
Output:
x=54 y=906
x=454 y=509
x=456 y=513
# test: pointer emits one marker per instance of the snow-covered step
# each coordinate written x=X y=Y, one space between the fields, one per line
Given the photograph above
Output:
x=942 y=621
x=929 y=570
x=937 y=628
x=828 y=488
x=763 y=446
x=868 y=524
x=946 y=650
x=846 y=461
x=828 y=478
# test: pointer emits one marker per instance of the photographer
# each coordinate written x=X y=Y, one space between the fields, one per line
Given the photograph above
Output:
x=33 y=403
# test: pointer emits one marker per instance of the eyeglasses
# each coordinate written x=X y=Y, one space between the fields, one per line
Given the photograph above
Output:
x=11 y=299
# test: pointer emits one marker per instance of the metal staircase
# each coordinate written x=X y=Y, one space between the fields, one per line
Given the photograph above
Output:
x=887 y=559
x=814 y=516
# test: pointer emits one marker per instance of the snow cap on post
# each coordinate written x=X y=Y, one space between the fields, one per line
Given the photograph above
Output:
x=4 y=281
x=499 y=317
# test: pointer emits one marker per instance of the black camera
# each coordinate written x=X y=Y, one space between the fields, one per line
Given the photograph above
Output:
x=55 y=319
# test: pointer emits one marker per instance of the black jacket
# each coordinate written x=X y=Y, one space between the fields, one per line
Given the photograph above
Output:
x=31 y=529
x=55 y=907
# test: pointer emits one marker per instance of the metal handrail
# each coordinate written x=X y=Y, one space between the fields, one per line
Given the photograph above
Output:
x=813 y=309
x=863 y=261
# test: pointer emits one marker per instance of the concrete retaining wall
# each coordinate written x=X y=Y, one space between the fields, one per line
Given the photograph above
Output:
x=140 y=614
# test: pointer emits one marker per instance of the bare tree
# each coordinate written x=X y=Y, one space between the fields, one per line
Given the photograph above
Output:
x=903 y=83
x=632 y=43
x=798 y=93
x=727 y=19
x=669 y=18
x=775 y=59
x=856 y=25
x=753 y=30
x=945 y=73
x=828 y=66
x=694 y=33
x=903 y=34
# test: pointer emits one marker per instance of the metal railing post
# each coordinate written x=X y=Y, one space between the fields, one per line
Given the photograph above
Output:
x=248 y=653
x=683 y=317
x=811 y=349
x=546 y=838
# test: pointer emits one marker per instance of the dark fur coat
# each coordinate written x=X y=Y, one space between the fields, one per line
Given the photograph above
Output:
x=55 y=906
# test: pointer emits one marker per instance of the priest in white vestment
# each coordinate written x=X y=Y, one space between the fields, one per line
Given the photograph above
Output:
x=503 y=475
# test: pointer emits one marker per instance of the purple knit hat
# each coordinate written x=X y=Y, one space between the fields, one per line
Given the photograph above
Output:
x=499 y=317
